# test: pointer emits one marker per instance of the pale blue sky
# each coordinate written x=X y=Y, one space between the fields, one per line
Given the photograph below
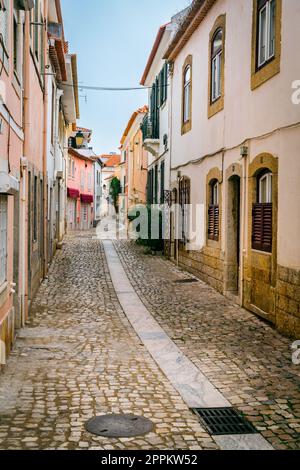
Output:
x=112 y=40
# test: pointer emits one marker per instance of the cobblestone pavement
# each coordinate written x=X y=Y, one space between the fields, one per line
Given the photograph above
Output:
x=79 y=357
x=247 y=360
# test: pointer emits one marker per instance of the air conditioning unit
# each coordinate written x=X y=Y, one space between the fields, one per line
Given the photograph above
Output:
x=26 y=5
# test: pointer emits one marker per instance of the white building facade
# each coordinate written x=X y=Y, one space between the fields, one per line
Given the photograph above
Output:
x=235 y=140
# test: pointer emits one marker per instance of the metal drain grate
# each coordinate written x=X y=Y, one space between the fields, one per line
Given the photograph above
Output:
x=186 y=281
x=224 y=421
x=119 y=426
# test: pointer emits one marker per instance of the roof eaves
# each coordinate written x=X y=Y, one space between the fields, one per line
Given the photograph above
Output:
x=153 y=52
x=195 y=15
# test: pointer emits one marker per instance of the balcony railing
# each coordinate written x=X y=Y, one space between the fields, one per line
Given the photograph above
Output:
x=150 y=129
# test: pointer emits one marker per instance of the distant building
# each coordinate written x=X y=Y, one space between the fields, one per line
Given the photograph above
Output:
x=98 y=188
x=110 y=170
x=80 y=182
x=133 y=166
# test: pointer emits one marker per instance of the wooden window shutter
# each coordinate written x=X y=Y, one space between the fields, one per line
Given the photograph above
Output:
x=262 y=222
x=213 y=222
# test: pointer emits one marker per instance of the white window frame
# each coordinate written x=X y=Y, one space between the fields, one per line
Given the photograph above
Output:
x=3 y=239
x=82 y=178
x=268 y=177
x=89 y=181
x=269 y=42
x=187 y=95
x=215 y=194
x=216 y=77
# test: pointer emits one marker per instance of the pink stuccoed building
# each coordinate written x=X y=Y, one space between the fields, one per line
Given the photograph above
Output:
x=80 y=191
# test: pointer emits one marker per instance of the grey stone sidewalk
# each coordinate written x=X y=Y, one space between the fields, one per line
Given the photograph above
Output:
x=79 y=357
x=243 y=357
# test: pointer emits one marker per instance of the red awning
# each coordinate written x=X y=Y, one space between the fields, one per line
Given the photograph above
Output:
x=73 y=193
x=87 y=198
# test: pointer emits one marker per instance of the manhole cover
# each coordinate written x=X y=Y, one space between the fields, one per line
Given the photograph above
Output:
x=119 y=426
x=224 y=421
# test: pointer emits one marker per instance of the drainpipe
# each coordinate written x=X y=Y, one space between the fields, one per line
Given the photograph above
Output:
x=245 y=152
x=24 y=175
x=45 y=195
x=171 y=66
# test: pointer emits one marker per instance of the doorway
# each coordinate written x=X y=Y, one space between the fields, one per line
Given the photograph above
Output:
x=233 y=248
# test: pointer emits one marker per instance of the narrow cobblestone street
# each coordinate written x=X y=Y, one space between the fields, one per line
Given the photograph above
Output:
x=79 y=357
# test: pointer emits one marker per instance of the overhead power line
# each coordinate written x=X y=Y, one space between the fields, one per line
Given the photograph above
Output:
x=99 y=88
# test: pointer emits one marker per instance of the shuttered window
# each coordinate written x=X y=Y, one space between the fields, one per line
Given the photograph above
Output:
x=3 y=239
x=162 y=183
x=163 y=84
x=184 y=201
x=213 y=223
x=154 y=109
x=150 y=187
x=262 y=215
x=214 y=212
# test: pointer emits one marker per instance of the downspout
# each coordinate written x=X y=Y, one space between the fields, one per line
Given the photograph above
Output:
x=45 y=195
x=24 y=186
x=176 y=241
x=245 y=158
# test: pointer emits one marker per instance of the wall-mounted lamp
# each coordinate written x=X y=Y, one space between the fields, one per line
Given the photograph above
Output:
x=79 y=138
x=244 y=151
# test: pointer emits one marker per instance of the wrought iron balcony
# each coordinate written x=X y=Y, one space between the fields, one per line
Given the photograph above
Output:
x=150 y=129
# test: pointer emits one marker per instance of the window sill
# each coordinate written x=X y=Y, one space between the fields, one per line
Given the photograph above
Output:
x=265 y=73
x=215 y=107
x=260 y=252
x=186 y=127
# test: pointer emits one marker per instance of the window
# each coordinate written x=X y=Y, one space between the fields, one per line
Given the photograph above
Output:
x=150 y=187
x=265 y=189
x=266 y=31
x=162 y=183
x=3 y=239
x=35 y=210
x=15 y=36
x=187 y=94
x=4 y=31
x=214 y=212
x=156 y=184
x=266 y=41
x=36 y=29
x=216 y=65
x=82 y=179
x=163 y=84
x=73 y=168
x=184 y=201
x=53 y=114
x=89 y=181
x=262 y=214
x=154 y=110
